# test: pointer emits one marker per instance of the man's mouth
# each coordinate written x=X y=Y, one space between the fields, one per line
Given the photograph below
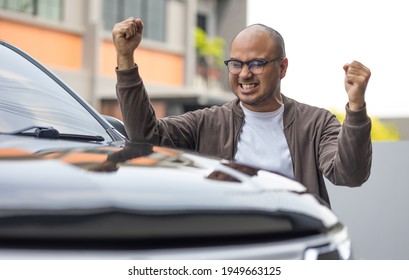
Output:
x=248 y=86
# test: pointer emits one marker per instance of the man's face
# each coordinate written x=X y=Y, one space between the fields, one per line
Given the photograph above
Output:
x=260 y=92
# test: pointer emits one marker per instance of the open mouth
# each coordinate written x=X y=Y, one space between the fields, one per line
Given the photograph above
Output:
x=248 y=86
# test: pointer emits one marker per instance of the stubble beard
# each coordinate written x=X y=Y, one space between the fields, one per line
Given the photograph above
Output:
x=259 y=100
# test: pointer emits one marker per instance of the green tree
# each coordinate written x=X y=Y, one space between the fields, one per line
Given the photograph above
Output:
x=209 y=49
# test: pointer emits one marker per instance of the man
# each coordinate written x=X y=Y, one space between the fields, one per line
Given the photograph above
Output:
x=262 y=127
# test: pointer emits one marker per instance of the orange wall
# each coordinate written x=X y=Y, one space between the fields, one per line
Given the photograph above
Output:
x=53 y=48
x=154 y=66
x=63 y=50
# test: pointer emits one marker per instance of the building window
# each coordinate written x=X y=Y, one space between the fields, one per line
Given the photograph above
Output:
x=49 y=9
x=202 y=22
x=152 y=13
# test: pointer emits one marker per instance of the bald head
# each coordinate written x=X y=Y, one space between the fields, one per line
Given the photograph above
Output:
x=276 y=38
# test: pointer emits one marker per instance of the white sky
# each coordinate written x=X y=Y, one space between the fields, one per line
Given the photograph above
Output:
x=322 y=35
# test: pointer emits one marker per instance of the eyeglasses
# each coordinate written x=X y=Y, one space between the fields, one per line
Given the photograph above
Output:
x=256 y=66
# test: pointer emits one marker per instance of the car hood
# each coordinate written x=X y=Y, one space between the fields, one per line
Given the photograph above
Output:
x=50 y=178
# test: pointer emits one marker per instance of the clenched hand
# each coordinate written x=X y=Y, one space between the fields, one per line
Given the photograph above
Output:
x=356 y=80
x=127 y=36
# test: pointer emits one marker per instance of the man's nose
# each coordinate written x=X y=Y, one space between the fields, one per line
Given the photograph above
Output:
x=245 y=70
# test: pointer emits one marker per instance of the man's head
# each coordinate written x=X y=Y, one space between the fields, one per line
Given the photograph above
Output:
x=257 y=83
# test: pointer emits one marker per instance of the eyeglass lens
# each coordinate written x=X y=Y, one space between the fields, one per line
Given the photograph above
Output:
x=255 y=66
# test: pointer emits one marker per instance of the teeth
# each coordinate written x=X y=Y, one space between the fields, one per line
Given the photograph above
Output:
x=248 y=86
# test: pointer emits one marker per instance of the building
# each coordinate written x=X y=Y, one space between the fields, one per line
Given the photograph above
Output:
x=73 y=38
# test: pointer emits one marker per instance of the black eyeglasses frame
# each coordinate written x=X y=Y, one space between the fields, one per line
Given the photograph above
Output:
x=260 y=60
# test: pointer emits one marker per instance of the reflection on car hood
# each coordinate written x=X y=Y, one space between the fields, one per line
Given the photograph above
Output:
x=140 y=178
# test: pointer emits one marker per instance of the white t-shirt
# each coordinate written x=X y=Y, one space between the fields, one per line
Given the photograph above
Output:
x=262 y=142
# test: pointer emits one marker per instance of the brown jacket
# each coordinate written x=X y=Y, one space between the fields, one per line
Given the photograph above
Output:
x=318 y=144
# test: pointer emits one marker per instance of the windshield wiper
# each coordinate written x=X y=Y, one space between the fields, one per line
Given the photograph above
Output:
x=52 y=133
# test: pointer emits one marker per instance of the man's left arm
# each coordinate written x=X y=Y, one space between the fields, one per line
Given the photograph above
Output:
x=352 y=163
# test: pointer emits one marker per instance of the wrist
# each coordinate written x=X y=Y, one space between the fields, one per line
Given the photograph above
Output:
x=356 y=106
x=125 y=62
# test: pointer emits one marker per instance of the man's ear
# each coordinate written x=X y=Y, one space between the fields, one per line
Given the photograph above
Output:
x=283 y=67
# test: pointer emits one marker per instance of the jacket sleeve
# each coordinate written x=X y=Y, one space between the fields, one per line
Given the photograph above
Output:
x=346 y=152
x=140 y=119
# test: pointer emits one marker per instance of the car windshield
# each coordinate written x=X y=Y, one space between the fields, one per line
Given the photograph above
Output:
x=30 y=97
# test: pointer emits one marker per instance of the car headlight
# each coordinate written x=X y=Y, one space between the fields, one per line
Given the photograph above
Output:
x=341 y=251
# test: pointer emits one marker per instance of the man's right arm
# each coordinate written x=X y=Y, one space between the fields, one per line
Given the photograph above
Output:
x=135 y=106
x=138 y=113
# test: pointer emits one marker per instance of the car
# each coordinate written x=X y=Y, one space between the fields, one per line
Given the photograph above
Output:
x=72 y=186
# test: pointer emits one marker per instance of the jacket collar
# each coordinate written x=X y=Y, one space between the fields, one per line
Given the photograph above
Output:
x=290 y=110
